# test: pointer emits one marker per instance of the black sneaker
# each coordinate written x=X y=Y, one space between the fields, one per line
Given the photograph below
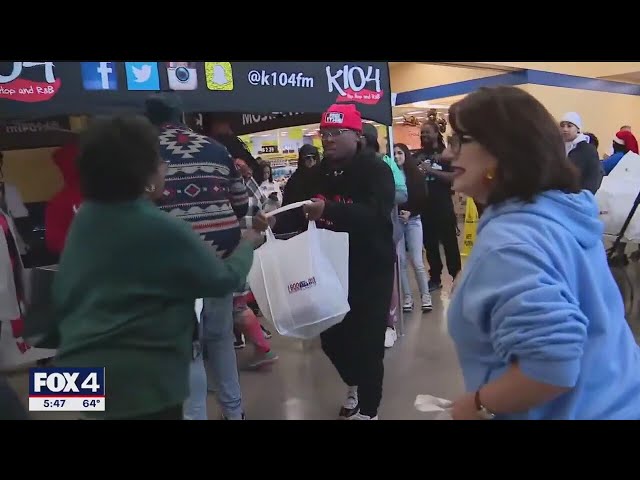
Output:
x=267 y=333
x=239 y=343
x=434 y=285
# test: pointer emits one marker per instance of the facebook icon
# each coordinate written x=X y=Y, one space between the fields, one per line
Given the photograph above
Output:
x=99 y=76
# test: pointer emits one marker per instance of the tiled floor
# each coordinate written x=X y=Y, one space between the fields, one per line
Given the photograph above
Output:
x=304 y=385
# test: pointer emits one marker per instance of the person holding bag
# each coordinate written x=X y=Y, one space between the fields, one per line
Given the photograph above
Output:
x=353 y=191
x=124 y=298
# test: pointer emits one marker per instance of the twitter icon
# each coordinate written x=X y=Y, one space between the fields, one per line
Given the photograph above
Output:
x=142 y=76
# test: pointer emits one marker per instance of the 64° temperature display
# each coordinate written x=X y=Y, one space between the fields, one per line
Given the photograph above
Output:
x=39 y=404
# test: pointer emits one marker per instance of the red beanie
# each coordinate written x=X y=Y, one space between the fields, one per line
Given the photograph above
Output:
x=628 y=139
x=342 y=116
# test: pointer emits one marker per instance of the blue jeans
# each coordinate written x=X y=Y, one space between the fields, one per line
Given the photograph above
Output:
x=195 y=407
x=217 y=339
x=413 y=247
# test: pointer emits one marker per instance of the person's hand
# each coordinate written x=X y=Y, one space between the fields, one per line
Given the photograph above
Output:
x=425 y=168
x=314 y=211
x=464 y=408
x=260 y=222
x=252 y=236
x=404 y=215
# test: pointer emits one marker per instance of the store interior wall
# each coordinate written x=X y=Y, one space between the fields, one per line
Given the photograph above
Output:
x=580 y=69
x=33 y=173
x=602 y=113
x=407 y=134
x=408 y=76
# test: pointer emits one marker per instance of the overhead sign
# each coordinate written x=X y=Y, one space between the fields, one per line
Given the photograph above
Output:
x=41 y=89
x=46 y=132
x=244 y=123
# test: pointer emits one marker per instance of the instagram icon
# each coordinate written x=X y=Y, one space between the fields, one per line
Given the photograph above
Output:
x=182 y=75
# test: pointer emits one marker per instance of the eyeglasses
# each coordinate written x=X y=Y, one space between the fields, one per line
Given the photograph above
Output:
x=456 y=141
x=332 y=132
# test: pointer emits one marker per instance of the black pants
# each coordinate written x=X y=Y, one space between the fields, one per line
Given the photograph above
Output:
x=439 y=226
x=356 y=345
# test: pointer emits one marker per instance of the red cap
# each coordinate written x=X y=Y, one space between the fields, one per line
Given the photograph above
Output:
x=342 y=116
x=628 y=139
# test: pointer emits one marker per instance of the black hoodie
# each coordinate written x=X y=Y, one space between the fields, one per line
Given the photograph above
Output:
x=359 y=200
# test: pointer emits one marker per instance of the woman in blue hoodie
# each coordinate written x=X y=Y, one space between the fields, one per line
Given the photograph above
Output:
x=536 y=316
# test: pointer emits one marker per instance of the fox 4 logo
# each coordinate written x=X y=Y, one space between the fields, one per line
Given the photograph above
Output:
x=67 y=381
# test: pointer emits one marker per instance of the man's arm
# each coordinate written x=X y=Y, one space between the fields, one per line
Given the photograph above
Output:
x=377 y=205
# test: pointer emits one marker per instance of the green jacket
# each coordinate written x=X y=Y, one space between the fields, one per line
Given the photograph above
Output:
x=124 y=294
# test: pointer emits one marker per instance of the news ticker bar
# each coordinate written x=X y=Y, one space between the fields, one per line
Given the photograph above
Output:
x=70 y=404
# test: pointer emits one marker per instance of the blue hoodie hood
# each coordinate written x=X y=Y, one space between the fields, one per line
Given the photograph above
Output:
x=577 y=213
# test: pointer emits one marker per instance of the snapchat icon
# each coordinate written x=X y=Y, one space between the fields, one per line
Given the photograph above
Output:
x=219 y=75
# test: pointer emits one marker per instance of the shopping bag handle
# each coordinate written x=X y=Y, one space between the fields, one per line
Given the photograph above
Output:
x=286 y=208
x=291 y=206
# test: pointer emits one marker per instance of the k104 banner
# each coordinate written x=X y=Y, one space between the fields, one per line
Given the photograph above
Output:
x=44 y=89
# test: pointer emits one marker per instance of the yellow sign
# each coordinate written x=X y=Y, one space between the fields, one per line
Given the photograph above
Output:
x=470 y=227
x=219 y=76
x=295 y=133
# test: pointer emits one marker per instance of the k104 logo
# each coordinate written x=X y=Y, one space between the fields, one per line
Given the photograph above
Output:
x=13 y=87
x=302 y=285
x=353 y=84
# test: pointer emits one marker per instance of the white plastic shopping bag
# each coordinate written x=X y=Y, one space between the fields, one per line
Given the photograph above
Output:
x=616 y=195
x=440 y=408
x=301 y=284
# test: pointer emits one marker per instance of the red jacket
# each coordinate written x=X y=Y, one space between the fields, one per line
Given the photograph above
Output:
x=62 y=207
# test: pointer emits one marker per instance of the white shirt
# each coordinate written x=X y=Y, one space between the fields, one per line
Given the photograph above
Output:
x=15 y=209
x=15 y=205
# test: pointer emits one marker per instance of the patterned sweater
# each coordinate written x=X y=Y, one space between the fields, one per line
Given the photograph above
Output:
x=203 y=186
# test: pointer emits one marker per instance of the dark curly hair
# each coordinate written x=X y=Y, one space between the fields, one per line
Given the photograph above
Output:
x=118 y=155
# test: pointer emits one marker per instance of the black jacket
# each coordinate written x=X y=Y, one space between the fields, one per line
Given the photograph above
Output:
x=358 y=200
x=585 y=157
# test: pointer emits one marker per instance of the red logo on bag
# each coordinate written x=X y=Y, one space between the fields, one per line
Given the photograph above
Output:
x=302 y=285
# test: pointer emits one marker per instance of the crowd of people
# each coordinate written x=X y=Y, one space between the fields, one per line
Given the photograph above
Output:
x=535 y=315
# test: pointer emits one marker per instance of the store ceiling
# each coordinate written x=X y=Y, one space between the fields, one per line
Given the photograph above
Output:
x=631 y=77
x=581 y=69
